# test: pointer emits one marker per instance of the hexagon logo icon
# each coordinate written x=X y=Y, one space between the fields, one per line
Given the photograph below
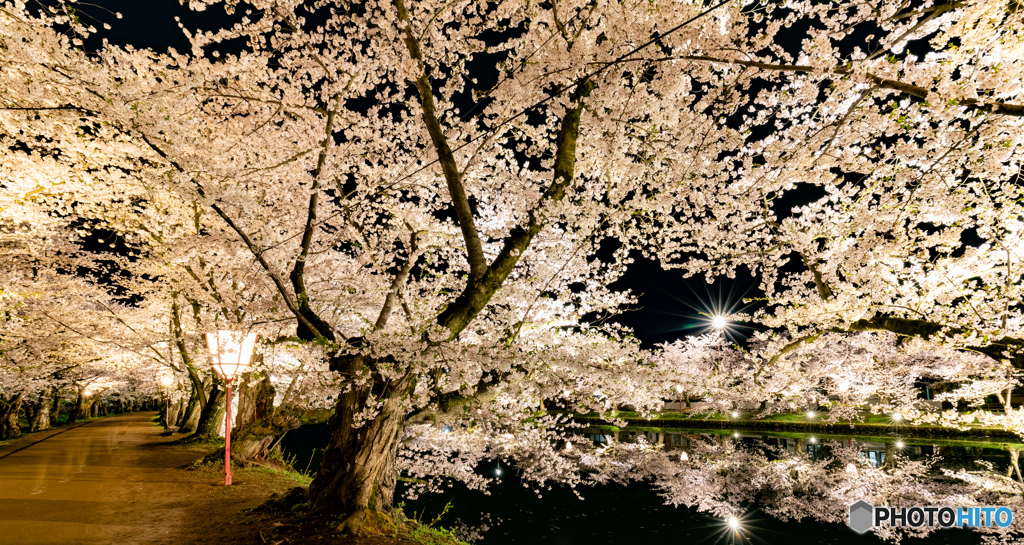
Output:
x=861 y=515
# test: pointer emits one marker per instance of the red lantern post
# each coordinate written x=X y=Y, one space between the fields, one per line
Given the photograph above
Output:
x=231 y=353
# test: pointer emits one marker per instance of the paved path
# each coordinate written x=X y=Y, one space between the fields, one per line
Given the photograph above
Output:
x=102 y=482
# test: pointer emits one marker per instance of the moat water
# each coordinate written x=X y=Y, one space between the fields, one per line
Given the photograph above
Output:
x=634 y=514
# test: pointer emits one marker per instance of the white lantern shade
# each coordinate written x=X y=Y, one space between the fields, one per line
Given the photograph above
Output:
x=231 y=352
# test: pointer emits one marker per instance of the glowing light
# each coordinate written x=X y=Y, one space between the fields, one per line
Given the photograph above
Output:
x=735 y=414
x=814 y=439
x=897 y=417
x=683 y=456
x=851 y=469
x=810 y=414
x=899 y=444
x=568 y=445
x=498 y=472
x=733 y=523
x=735 y=434
x=718 y=322
x=166 y=380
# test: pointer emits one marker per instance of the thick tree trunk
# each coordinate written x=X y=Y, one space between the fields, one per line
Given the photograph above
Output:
x=55 y=409
x=10 y=411
x=76 y=409
x=257 y=426
x=246 y=392
x=212 y=415
x=188 y=420
x=39 y=418
x=357 y=476
x=171 y=414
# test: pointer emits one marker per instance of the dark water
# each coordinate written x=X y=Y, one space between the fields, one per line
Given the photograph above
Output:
x=610 y=514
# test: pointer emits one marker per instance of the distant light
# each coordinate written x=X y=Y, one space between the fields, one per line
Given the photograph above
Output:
x=735 y=414
x=814 y=439
x=899 y=444
x=718 y=322
x=810 y=414
x=733 y=522
x=735 y=434
x=498 y=472
x=897 y=417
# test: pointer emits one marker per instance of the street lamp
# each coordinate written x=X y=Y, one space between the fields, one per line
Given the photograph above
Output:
x=231 y=353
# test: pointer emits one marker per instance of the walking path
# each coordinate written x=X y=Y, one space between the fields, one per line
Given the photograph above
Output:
x=112 y=481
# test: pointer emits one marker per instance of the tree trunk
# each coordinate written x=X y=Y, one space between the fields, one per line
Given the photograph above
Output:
x=257 y=425
x=188 y=420
x=357 y=476
x=247 y=392
x=171 y=414
x=76 y=409
x=212 y=415
x=39 y=419
x=10 y=411
x=55 y=409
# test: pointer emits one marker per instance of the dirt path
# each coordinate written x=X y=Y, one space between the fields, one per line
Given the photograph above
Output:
x=116 y=481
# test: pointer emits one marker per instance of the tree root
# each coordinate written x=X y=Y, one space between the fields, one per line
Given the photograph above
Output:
x=353 y=524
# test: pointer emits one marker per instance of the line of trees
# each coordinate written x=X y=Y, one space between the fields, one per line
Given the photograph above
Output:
x=419 y=198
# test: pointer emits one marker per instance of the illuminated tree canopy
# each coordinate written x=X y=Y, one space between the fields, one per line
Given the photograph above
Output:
x=429 y=200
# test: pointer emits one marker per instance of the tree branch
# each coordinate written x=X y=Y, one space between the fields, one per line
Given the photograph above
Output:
x=297 y=274
x=994 y=106
x=397 y=283
x=456 y=189
x=477 y=293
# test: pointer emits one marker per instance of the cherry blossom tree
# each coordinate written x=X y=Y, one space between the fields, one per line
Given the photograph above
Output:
x=425 y=187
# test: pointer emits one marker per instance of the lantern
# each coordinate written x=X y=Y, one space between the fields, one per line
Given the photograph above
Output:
x=231 y=353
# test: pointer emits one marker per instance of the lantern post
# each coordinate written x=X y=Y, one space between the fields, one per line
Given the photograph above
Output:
x=231 y=353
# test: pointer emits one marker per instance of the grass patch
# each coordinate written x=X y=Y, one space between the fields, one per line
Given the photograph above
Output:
x=397 y=525
x=300 y=479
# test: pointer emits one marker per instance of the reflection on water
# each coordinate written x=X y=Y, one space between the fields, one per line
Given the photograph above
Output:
x=781 y=474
